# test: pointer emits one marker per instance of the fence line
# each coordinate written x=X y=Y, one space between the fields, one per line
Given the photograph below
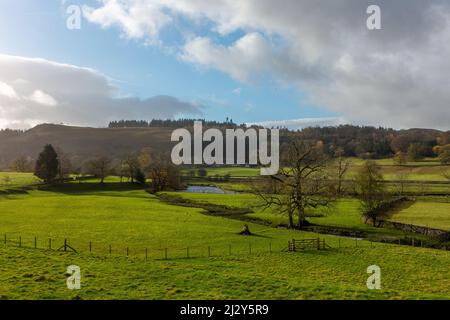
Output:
x=180 y=252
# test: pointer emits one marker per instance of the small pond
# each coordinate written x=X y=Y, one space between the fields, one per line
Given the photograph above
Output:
x=205 y=189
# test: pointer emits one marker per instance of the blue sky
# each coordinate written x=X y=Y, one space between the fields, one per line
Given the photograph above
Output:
x=253 y=61
x=38 y=29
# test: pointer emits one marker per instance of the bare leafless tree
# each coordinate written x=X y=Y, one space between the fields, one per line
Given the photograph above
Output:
x=302 y=183
x=130 y=164
x=64 y=164
x=22 y=164
x=162 y=173
x=402 y=179
x=371 y=191
x=342 y=165
x=100 y=167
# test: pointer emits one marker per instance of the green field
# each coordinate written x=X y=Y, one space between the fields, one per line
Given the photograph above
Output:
x=132 y=218
x=206 y=258
x=16 y=179
x=427 y=214
x=335 y=274
x=232 y=171
x=127 y=217
x=344 y=213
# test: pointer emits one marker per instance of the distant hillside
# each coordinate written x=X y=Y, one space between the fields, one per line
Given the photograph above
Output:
x=81 y=143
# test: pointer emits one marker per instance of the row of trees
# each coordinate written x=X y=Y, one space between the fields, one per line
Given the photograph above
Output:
x=53 y=165
x=416 y=153
x=171 y=123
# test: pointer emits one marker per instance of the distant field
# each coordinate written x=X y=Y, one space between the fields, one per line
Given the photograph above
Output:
x=16 y=179
x=232 y=171
x=390 y=162
x=421 y=173
x=428 y=214
x=108 y=179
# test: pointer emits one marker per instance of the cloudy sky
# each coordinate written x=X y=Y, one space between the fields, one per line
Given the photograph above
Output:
x=292 y=62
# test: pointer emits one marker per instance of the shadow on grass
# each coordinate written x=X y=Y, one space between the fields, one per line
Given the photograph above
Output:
x=254 y=235
x=89 y=188
x=15 y=191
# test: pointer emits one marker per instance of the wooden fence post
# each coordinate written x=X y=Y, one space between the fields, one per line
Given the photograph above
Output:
x=229 y=249
x=165 y=253
x=20 y=241
x=5 y=238
x=146 y=254
x=127 y=251
x=110 y=250
x=90 y=246
x=65 y=244
x=35 y=242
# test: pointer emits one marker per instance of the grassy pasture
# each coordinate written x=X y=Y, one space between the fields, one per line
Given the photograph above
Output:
x=127 y=218
x=427 y=214
x=345 y=213
x=124 y=216
x=335 y=274
x=16 y=179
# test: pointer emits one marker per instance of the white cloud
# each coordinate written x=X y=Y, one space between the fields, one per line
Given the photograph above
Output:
x=237 y=91
x=7 y=91
x=137 y=19
x=245 y=57
x=397 y=76
x=43 y=98
x=78 y=96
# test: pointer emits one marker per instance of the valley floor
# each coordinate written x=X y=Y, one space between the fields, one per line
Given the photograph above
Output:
x=130 y=220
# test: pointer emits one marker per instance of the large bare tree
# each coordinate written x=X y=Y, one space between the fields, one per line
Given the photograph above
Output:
x=302 y=183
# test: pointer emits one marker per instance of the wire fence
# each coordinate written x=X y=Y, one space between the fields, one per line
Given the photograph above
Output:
x=169 y=252
x=124 y=250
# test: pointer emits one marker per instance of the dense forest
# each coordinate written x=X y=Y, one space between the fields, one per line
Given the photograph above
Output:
x=349 y=140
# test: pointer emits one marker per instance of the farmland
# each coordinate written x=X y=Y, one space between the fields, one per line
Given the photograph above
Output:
x=426 y=213
x=128 y=217
x=155 y=249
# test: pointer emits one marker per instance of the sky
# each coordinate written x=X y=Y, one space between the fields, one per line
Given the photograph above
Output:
x=292 y=63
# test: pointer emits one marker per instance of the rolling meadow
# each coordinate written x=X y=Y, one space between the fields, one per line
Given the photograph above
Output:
x=131 y=244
